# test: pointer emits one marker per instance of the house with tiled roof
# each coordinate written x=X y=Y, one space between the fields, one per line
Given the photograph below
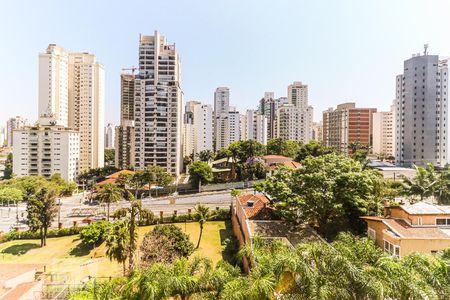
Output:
x=275 y=161
x=253 y=215
x=421 y=227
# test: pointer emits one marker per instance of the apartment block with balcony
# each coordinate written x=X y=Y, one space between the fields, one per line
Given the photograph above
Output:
x=404 y=229
x=46 y=150
x=198 y=128
x=347 y=124
x=158 y=105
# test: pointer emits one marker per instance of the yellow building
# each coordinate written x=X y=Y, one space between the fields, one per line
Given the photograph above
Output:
x=404 y=229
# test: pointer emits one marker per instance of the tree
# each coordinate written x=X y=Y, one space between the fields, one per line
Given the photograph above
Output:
x=247 y=149
x=156 y=175
x=423 y=184
x=283 y=147
x=117 y=242
x=313 y=148
x=206 y=155
x=110 y=156
x=109 y=193
x=41 y=209
x=253 y=168
x=8 y=172
x=202 y=215
x=8 y=194
x=165 y=243
x=95 y=233
x=330 y=192
x=135 y=211
x=200 y=172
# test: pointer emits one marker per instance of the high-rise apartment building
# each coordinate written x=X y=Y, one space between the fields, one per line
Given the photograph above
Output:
x=86 y=107
x=268 y=106
x=54 y=86
x=293 y=124
x=294 y=120
x=12 y=124
x=124 y=134
x=346 y=125
x=158 y=105
x=109 y=136
x=421 y=112
x=317 y=131
x=383 y=133
x=255 y=126
x=46 y=150
x=221 y=118
x=198 y=128
x=234 y=119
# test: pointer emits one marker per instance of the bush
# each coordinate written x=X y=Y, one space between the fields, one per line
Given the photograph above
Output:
x=94 y=233
x=221 y=214
x=165 y=243
x=146 y=217
x=30 y=235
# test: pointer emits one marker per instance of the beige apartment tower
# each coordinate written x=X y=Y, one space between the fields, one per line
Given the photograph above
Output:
x=158 y=105
x=86 y=107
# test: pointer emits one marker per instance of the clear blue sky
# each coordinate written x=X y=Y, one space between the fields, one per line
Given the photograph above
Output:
x=344 y=50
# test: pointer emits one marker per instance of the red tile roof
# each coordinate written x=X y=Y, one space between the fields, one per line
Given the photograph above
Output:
x=276 y=159
x=117 y=174
x=405 y=230
x=259 y=210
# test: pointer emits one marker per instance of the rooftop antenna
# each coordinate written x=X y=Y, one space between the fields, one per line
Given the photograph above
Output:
x=425 y=47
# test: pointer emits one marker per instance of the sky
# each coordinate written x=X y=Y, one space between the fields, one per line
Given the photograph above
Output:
x=347 y=50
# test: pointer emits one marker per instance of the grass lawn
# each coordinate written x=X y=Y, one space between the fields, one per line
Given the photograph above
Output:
x=66 y=255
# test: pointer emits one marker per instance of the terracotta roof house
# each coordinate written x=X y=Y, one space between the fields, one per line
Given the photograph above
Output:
x=252 y=216
x=20 y=281
x=404 y=229
x=113 y=177
x=274 y=161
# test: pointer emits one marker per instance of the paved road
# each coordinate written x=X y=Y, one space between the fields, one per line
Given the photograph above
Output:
x=75 y=204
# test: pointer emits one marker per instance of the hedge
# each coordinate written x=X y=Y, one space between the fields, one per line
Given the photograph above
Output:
x=29 y=235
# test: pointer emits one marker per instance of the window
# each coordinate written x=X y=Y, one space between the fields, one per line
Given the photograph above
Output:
x=443 y=221
x=391 y=249
x=419 y=221
x=372 y=234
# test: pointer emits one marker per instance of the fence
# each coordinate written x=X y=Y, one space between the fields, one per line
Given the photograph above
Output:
x=229 y=186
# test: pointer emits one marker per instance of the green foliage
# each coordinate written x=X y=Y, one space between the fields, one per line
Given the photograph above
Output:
x=157 y=175
x=118 y=241
x=330 y=192
x=97 y=174
x=165 y=243
x=95 y=233
x=251 y=170
x=202 y=215
x=313 y=148
x=109 y=193
x=146 y=217
x=200 y=171
x=41 y=210
x=8 y=172
x=243 y=150
x=206 y=155
x=279 y=146
x=10 y=194
x=32 y=235
x=109 y=155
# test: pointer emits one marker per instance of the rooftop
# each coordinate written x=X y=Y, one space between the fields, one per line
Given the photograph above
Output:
x=259 y=209
x=424 y=208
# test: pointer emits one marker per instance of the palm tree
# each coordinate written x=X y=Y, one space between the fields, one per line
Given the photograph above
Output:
x=108 y=194
x=117 y=242
x=423 y=184
x=206 y=155
x=202 y=214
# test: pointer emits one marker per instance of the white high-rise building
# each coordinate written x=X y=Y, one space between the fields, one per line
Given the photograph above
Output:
x=243 y=127
x=234 y=119
x=109 y=136
x=54 y=86
x=2 y=136
x=294 y=120
x=256 y=126
x=221 y=118
x=158 y=105
x=198 y=128
x=317 y=131
x=46 y=150
x=421 y=112
x=383 y=133
x=12 y=124
x=86 y=107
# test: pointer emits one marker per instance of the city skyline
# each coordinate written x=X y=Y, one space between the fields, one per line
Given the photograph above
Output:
x=376 y=48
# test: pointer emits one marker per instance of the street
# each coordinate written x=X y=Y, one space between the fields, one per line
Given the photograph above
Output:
x=72 y=208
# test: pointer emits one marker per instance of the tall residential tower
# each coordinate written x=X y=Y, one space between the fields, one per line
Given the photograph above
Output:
x=158 y=105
